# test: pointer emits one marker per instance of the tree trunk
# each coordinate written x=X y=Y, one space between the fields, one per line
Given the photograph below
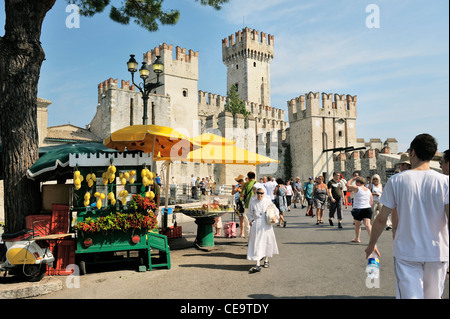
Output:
x=21 y=57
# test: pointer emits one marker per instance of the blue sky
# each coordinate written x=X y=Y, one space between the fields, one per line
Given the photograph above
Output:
x=399 y=71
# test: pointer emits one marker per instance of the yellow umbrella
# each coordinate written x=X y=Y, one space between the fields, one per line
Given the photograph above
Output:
x=223 y=154
x=159 y=140
x=212 y=139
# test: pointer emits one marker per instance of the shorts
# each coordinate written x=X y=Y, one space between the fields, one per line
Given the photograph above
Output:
x=361 y=213
x=309 y=201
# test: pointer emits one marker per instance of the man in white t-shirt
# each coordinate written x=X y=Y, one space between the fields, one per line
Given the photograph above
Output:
x=421 y=242
x=270 y=186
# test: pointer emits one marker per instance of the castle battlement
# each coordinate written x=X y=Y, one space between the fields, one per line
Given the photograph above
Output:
x=184 y=64
x=206 y=100
x=333 y=105
x=209 y=104
x=113 y=84
x=167 y=49
x=248 y=42
x=107 y=84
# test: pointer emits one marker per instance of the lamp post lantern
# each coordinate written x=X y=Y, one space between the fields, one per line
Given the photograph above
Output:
x=144 y=73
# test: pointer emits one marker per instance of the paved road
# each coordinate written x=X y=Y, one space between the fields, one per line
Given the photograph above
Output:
x=314 y=262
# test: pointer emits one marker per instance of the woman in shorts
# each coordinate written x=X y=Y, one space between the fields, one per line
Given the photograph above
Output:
x=362 y=206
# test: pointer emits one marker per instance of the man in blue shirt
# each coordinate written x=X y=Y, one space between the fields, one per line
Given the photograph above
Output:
x=308 y=190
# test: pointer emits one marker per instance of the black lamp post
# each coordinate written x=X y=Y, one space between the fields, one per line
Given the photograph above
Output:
x=144 y=73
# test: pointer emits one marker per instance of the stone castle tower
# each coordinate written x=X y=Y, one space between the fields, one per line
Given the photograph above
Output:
x=316 y=126
x=247 y=55
x=180 y=78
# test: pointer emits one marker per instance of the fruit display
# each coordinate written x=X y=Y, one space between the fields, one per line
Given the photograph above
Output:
x=110 y=177
x=212 y=210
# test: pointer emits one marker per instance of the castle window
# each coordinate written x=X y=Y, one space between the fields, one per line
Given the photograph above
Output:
x=185 y=92
x=237 y=86
x=340 y=133
x=237 y=66
x=254 y=64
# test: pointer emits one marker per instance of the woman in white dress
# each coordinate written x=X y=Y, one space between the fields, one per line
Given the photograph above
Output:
x=262 y=243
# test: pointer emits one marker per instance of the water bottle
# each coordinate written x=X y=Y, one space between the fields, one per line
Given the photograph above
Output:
x=373 y=266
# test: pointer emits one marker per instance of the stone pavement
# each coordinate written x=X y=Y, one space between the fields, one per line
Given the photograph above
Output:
x=315 y=262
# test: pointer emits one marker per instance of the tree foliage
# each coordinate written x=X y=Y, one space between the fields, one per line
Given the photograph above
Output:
x=145 y=13
x=234 y=104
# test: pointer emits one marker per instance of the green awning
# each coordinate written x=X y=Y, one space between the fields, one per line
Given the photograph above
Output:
x=53 y=164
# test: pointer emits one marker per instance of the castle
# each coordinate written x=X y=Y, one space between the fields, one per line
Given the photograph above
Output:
x=316 y=122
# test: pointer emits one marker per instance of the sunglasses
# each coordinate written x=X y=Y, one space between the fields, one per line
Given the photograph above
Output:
x=259 y=193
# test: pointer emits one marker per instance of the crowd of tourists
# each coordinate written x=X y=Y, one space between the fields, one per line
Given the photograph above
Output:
x=413 y=201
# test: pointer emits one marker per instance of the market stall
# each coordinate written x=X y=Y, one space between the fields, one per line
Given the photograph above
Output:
x=110 y=198
x=113 y=208
x=128 y=217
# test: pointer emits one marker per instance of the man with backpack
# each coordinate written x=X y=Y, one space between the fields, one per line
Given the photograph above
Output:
x=246 y=195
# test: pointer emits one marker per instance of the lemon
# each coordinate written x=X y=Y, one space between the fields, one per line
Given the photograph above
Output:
x=124 y=201
x=93 y=177
x=123 y=181
x=102 y=196
x=90 y=183
x=87 y=196
x=86 y=203
x=132 y=172
x=99 y=204
x=126 y=175
x=132 y=180
x=88 y=177
x=97 y=194
x=113 y=201
x=76 y=174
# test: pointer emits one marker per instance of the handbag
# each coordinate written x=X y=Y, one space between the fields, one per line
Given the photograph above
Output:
x=271 y=212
